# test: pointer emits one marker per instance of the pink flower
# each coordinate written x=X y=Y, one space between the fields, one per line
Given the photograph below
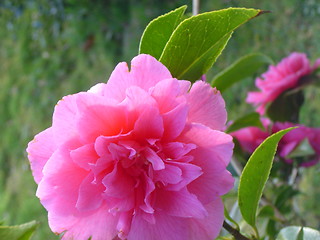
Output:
x=279 y=78
x=294 y=138
x=250 y=138
x=141 y=157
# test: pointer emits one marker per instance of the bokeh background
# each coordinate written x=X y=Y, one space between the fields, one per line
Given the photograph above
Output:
x=52 y=48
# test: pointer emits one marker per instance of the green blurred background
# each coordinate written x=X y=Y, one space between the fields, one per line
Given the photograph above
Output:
x=51 y=48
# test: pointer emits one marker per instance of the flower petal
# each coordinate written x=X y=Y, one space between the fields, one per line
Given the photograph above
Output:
x=165 y=227
x=39 y=151
x=145 y=72
x=208 y=228
x=206 y=106
x=179 y=204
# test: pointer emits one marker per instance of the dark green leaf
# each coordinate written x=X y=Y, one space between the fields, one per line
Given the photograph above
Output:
x=199 y=40
x=283 y=197
x=286 y=107
x=251 y=119
x=18 y=232
x=266 y=211
x=158 y=32
x=255 y=175
x=298 y=233
x=244 y=67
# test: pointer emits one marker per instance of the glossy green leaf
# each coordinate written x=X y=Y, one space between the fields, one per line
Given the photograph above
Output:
x=251 y=119
x=158 y=32
x=199 y=40
x=286 y=107
x=228 y=217
x=18 y=232
x=255 y=175
x=298 y=233
x=244 y=67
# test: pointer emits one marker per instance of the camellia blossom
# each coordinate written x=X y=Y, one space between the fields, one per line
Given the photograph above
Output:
x=250 y=138
x=294 y=138
x=141 y=157
x=279 y=78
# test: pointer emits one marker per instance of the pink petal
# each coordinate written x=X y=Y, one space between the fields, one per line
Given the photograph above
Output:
x=145 y=72
x=206 y=106
x=154 y=159
x=189 y=172
x=171 y=174
x=90 y=194
x=148 y=188
x=208 y=228
x=165 y=93
x=39 y=151
x=84 y=156
x=58 y=189
x=149 y=125
x=100 y=120
x=165 y=228
x=179 y=204
x=63 y=120
x=174 y=122
x=118 y=183
x=99 y=225
x=176 y=150
x=213 y=153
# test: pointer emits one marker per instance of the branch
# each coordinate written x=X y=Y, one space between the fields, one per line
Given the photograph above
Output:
x=195 y=7
x=237 y=235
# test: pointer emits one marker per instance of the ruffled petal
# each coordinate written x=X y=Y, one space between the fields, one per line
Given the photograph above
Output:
x=206 y=106
x=213 y=153
x=39 y=151
x=179 y=204
x=208 y=228
x=145 y=72
x=165 y=227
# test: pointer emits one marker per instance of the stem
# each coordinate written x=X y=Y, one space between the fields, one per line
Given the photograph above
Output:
x=195 y=7
x=236 y=166
x=293 y=176
x=237 y=235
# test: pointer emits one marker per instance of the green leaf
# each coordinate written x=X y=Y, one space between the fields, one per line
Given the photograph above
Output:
x=158 y=32
x=283 y=198
x=286 y=107
x=228 y=217
x=266 y=212
x=255 y=175
x=18 y=232
x=199 y=40
x=298 y=233
x=251 y=119
x=239 y=70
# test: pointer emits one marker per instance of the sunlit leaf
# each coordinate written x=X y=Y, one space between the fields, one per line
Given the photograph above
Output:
x=298 y=233
x=244 y=67
x=197 y=42
x=18 y=232
x=158 y=32
x=255 y=175
x=251 y=119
